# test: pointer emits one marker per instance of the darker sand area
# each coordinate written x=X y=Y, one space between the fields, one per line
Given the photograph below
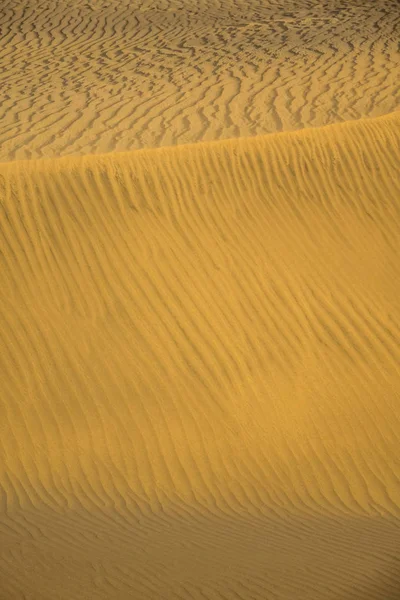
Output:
x=199 y=356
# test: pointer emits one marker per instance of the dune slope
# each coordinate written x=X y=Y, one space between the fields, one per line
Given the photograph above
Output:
x=200 y=370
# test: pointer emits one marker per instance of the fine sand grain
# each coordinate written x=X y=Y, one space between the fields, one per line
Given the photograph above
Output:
x=81 y=77
x=199 y=352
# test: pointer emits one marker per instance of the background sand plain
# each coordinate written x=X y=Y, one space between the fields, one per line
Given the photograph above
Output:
x=102 y=75
x=199 y=344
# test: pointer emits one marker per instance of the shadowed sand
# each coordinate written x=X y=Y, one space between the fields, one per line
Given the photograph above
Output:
x=200 y=370
x=82 y=77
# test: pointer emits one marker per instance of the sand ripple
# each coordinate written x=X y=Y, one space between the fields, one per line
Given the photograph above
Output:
x=200 y=370
x=79 y=77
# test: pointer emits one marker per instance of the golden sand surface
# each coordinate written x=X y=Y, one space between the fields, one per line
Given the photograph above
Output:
x=85 y=76
x=199 y=342
x=200 y=370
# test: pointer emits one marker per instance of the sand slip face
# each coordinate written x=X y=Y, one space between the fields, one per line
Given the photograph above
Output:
x=79 y=77
x=200 y=371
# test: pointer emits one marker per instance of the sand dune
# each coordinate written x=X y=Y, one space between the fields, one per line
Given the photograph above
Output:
x=200 y=370
x=102 y=75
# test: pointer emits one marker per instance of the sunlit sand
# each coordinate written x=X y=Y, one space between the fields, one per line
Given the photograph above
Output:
x=91 y=76
x=199 y=343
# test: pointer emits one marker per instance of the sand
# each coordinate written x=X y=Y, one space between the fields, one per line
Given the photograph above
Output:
x=199 y=300
x=85 y=76
x=200 y=366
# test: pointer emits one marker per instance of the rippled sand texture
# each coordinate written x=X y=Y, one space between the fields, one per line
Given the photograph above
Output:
x=200 y=370
x=81 y=77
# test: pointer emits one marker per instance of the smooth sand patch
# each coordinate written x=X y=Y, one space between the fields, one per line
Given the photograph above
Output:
x=200 y=370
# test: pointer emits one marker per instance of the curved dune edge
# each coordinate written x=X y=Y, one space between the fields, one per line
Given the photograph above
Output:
x=306 y=133
x=200 y=367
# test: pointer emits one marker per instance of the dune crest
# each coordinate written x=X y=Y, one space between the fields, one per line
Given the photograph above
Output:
x=200 y=367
